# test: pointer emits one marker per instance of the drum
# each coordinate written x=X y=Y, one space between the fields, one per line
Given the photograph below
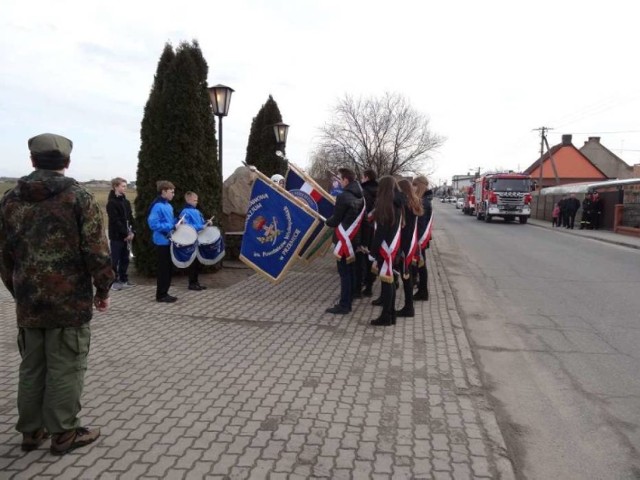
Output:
x=183 y=245
x=210 y=246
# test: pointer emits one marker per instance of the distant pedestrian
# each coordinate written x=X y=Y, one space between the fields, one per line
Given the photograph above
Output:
x=162 y=222
x=120 y=232
x=555 y=216
x=572 y=206
x=587 y=212
x=52 y=245
x=564 y=214
x=598 y=206
x=192 y=216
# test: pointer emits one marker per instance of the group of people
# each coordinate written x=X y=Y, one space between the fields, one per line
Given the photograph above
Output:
x=56 y=263
x=162 y=222
x=379 y=231
x=564 y=212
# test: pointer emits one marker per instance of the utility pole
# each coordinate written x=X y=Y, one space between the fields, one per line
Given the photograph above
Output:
x=543 y=135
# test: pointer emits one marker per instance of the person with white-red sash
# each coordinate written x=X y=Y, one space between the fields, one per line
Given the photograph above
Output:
x=386 y=244
x=412 y=210
x=346 y=221
x=421 y=185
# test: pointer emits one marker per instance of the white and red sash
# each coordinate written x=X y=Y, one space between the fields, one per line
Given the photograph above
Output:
x=410 y=256
x=424 y=241
x=344 y=246
x=388 y=253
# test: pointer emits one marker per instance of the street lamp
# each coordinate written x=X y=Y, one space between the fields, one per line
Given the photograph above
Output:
x=220 y=96
x=281 y=131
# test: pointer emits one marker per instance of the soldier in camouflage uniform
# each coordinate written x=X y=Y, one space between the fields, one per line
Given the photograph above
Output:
x=52 y=244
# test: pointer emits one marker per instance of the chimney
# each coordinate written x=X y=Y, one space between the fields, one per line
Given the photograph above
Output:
x=594 y=139
x=566 y=139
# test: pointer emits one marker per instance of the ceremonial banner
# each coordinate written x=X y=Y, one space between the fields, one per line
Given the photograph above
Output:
x=276 y=228
x=305 y=188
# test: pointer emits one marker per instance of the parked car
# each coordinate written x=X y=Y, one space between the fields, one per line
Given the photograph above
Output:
x=459 y=203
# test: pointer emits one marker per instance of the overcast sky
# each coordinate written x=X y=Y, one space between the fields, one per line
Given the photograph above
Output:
x=486 y=73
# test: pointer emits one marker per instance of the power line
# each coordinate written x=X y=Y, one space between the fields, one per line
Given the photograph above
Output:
x=600 y=133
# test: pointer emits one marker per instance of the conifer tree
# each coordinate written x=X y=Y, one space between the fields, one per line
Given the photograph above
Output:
x=177 y=143
x=262 y=145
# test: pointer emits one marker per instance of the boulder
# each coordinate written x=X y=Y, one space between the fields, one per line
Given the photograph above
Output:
x=236 y=193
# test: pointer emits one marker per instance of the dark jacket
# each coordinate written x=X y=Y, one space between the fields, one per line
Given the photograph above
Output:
x=572 y=205
x=52 y=244
x=348 y=206
x=423 y=220
x=370 y=191
x=120 y=216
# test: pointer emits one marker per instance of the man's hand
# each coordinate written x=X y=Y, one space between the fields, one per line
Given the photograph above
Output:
x=129 y=237
x=101 y=304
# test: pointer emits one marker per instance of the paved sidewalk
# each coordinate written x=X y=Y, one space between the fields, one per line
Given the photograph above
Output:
x=256 y=381
x=599 y=235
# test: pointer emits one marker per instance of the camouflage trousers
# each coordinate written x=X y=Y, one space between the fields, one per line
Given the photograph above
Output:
x=54 y=362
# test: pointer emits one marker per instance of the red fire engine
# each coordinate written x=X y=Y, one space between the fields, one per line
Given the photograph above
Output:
x=506 y=195
x=469 y=205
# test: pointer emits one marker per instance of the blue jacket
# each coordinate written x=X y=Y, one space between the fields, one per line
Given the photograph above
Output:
x=192 y=216
x=161 y=221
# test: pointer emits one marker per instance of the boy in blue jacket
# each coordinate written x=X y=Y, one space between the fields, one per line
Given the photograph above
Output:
x=161 y=222
x=192 y=216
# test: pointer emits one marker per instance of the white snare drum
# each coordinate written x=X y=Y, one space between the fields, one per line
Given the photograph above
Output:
x=210 y=246
x=183 y=245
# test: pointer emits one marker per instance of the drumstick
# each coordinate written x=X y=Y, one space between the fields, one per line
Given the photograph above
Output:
x=180 y=221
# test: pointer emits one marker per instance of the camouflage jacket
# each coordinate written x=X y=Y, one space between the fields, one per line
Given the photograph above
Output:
x=52 y=242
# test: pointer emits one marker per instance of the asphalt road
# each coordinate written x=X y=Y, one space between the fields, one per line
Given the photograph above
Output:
x=554 y=323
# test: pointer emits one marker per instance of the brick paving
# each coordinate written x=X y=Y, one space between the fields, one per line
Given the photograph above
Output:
x=256 y=381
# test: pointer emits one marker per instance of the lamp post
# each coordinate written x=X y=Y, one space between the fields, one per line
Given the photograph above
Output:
x=220 y=96
x=281 y=131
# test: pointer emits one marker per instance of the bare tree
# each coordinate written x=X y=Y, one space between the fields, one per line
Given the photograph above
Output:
x=384 y=133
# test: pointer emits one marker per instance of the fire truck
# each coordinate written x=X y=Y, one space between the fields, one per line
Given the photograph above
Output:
x=506 y=195
x=469 y=205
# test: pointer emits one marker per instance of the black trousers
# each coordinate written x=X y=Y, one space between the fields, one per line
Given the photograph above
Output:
x=165 y=268
x=120 y=260
x=193 y=271
x=422 y=273
x=347 y=282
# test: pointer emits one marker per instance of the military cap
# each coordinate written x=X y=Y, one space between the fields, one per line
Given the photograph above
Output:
x=50 y=144
x=50 y=151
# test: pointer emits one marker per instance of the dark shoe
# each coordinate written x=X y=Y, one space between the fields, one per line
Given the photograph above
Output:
x=167 y=299
x=31 y=441
x=383 y=320
x=421 y=295
x=367 y=292
x=377 y=302
x=338 y=310
x=65 y=442
x=405 y=312
x=196 y=286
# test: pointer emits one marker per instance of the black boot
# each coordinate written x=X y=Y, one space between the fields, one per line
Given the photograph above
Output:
x=386 y=295
x=407 y=310
x=378 y=301
x=384 y=320
x=421 y=295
